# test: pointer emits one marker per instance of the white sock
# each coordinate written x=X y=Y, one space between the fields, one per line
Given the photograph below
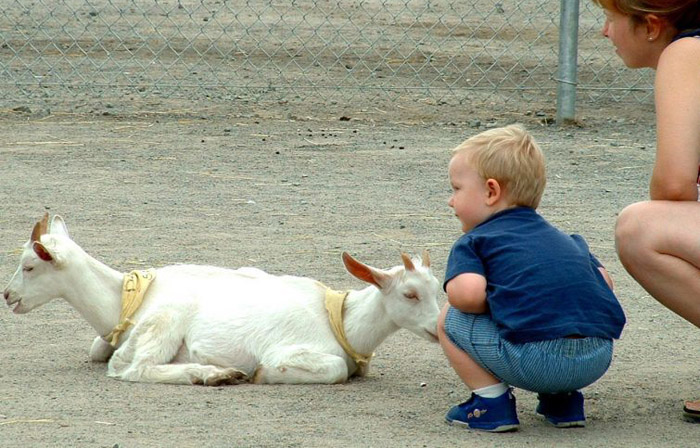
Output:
x=493 y=391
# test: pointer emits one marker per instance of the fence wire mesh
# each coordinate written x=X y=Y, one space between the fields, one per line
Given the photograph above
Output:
x=327 y=50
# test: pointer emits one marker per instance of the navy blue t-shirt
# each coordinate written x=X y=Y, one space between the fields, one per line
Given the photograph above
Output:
x=540 y=283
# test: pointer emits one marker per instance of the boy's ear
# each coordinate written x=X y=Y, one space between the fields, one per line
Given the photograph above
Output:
x=494 y=191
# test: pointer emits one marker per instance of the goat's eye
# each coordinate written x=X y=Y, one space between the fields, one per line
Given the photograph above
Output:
x=28 y=268
x=411 y=295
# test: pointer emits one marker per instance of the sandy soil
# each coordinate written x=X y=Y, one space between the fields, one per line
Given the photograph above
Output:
x=287 y=191
x=155 y=177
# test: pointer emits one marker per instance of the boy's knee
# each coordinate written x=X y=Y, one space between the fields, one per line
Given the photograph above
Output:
x=443 y=314
x=441 y=320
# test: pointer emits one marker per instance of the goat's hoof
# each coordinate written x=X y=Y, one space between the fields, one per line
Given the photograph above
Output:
x=228 y=376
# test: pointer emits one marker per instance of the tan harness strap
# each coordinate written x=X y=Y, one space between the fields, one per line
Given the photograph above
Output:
x=134 y=287
x=335 y=301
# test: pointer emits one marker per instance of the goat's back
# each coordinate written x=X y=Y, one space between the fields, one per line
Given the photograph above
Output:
x=244 y=310
x=243 y=290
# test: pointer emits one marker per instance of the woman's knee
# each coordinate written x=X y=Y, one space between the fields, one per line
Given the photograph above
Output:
x=630 y=229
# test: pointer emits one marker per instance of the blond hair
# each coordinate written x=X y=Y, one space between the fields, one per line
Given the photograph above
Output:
x=511 y=156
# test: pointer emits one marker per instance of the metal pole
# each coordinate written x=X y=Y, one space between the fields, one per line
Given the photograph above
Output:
x=568 y=52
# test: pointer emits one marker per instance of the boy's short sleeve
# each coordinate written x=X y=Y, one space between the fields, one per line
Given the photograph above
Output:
x=581 y=242
x=463 y=259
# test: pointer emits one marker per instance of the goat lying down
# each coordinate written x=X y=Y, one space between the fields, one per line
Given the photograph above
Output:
x=209 y=325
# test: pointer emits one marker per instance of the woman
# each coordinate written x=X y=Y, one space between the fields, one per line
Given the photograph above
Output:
x=658 y=241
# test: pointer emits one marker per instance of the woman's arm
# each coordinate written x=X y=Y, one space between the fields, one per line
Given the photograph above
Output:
x=467 y=293
x=677 y=96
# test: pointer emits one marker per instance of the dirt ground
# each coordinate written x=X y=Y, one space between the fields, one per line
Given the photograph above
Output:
x=287 y=191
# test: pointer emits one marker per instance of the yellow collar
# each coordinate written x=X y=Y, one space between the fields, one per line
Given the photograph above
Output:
x=134 y=287
x=335 y=302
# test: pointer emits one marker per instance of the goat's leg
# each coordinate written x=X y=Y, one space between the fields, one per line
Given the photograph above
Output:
x=123 y=356
x=101 y=350
x=190 y=373
x=298 y=365
x=146 y=355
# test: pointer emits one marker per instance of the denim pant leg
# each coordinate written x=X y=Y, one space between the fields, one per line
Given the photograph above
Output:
x=478 y=336
x=551 y=366
x=558 y=365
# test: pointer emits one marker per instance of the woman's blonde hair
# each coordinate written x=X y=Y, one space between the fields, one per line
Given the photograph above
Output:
x=511 y=156
x=683 y=15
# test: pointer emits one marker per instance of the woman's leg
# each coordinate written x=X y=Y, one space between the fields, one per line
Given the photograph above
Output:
x=471 y=373
x=658 y=242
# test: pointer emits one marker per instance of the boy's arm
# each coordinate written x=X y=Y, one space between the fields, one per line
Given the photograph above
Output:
x=467 y=293
x=604 y=272
x=607 y=277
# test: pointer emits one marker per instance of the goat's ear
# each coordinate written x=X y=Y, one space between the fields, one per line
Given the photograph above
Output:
x=426 y=258
x=41 y=251
x=365 y=273
x=407 y=262
x=58 y=226
x=39 y=228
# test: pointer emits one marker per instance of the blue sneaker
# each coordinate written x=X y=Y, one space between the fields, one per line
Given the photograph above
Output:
x=486 y=414
x=563 y=410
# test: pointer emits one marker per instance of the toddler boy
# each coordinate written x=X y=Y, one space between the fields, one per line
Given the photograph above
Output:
x=528 y=306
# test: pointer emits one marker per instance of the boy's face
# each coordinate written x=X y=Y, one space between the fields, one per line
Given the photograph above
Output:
x=469 y=193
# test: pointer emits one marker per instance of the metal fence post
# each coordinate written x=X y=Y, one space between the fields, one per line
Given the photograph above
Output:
x=568 y=52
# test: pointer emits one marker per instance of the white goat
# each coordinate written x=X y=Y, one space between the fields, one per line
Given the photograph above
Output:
x=209 y=325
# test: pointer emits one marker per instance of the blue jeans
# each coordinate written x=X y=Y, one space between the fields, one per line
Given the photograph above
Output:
x=551 y=366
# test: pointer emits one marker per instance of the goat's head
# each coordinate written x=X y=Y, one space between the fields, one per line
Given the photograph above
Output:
x=36 y=281
x=409 y=292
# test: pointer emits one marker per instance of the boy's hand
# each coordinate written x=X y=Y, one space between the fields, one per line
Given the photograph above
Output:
x=607 y=277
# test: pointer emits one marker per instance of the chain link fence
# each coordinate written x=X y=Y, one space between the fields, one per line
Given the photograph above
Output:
x=59 y=51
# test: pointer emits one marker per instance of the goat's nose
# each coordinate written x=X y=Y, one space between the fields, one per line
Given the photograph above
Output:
x=6 y=294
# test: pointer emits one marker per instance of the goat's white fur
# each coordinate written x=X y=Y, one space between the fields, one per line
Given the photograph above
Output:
x=209 y=325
